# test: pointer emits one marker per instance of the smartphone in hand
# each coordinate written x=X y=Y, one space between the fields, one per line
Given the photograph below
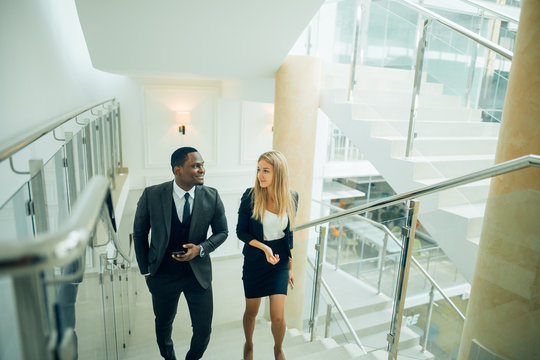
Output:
x=181 y=252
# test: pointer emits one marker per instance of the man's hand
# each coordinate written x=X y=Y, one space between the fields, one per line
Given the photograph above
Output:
x=192 y=250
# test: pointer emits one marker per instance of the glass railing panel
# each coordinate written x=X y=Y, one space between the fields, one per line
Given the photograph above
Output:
x=391 y=35
x=328 y=321
x=332 y=31
x=107 y=293
x=56 y=190
x=458 y=75
x=353 y=260
x=15 y=221
x=90 y=324
x=441 y=336
x=96 y=129
x=79 y=165
x=10 y=339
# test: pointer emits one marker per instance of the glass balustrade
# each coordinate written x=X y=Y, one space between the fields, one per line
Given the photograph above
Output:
x=14 y=219
x=362 y=260
x=93 y=294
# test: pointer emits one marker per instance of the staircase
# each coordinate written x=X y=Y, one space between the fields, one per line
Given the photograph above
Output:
x=228 y=344
x=451 y=141
x=369 y=313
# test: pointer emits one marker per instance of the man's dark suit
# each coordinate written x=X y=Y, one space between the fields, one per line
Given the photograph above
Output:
x=155 y=211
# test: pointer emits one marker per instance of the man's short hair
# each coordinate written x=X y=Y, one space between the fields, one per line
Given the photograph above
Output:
x=179 y=156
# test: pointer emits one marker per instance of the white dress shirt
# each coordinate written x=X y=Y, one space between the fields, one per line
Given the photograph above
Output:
x=179 y=199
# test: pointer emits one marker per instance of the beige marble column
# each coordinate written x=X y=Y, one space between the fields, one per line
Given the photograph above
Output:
x=504 y=309
x=295 y=116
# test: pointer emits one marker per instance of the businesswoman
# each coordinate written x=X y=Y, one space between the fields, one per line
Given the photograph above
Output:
x=264 y=224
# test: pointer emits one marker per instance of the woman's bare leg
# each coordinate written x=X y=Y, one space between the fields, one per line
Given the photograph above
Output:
x=277 y=311
x=250 y=314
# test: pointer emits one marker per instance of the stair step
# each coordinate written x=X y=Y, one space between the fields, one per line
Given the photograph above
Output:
x=377 y=341
x=392 y=112
x=444 y=146
x=470 y=215
x=476 y=192
x=432 y=128
x=337 y=353
x=448 y=166
x=310 y=348
x=364 y=324
x=415 y=354
x=398 y=97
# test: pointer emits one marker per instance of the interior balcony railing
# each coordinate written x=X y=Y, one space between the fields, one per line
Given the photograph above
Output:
x=437 y=297
x=61 y=261
x=464 y=56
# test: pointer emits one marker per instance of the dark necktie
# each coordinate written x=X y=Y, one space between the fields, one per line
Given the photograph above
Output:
x=187 y=213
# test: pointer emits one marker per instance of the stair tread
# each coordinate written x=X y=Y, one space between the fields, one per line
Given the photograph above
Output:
x=336 y=353
x=450 y=158
x=441 y=138
x=467 y=210
x=378 y=340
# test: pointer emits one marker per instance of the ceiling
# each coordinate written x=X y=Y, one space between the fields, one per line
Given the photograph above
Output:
x=217 y=39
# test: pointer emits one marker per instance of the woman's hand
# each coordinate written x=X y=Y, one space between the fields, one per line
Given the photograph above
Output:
x=291 y=279
x=270 y=257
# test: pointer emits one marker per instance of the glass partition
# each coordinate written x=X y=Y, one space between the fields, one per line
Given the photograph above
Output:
x=15 y=221
x=56 y=190
x=362 y=262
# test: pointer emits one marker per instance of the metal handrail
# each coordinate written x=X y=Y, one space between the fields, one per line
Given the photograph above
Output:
x=460 y=29
x=67 y=243
x=339 y=308
x=420 y=267
x=20 y=142
x=501 y=15
x=495 y=170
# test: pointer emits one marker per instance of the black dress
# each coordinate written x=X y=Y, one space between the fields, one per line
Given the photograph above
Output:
x=259 y=276
x=262 y=278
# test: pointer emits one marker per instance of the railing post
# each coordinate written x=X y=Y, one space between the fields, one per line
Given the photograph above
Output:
x=70 y=169
x=338 y=246
x=381 y=262
x=422 y=43
x=328 y=319
x=111 y=171
x=428 y=318
x=408 y=232
x=352 y=74
x=87 y=145
x=120 y=163
x=319 y=256
x=472 y=62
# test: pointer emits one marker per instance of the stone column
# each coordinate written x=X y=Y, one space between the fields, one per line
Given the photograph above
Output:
x=298 y=83
x=504 y=308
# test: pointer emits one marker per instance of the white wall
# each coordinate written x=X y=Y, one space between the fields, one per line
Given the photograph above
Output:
x=229 y=132
x=45 y=72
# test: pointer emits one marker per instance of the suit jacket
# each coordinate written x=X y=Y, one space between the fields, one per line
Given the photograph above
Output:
x=154 y=211
x=248 y=228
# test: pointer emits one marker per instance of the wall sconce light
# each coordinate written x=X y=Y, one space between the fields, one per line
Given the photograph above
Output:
x=182 y=118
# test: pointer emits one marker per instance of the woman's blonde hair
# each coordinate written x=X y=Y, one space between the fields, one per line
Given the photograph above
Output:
x=279 y=190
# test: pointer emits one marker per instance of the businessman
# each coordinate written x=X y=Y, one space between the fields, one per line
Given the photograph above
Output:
x=176 y=260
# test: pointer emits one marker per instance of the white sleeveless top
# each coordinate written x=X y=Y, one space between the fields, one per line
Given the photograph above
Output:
x=273 y=226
